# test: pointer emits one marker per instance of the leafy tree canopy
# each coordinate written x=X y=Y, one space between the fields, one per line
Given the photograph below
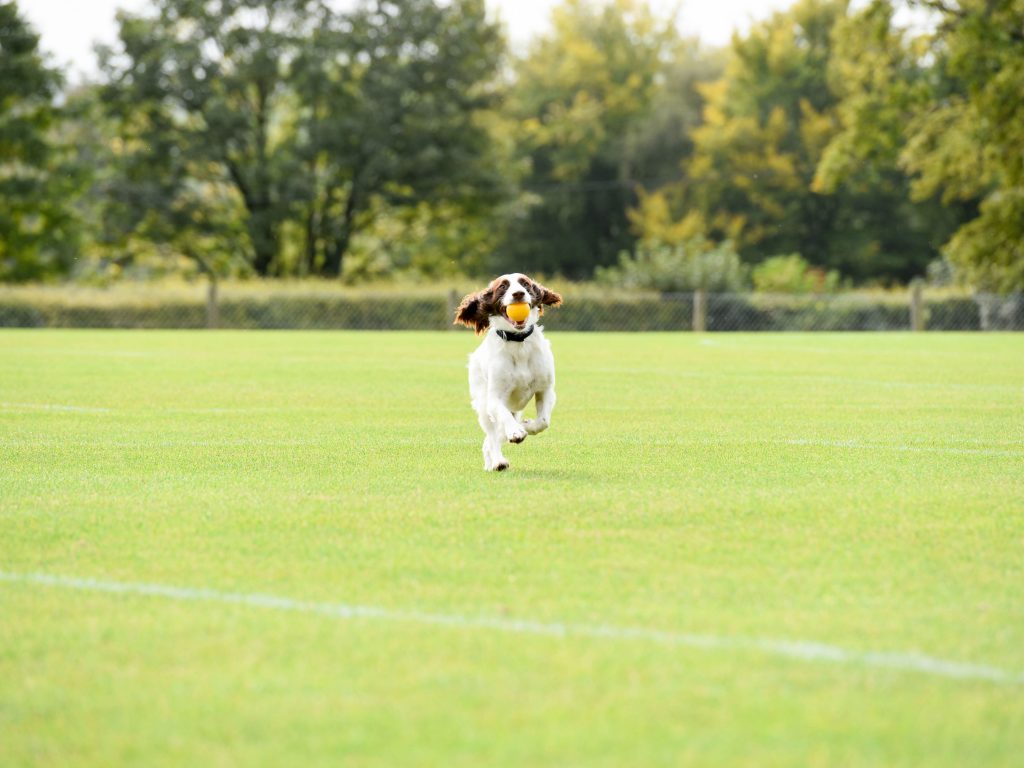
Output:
x=39 y=232
x=298 y=117
x=798 y=149
x=965 y=140
x=601 y=100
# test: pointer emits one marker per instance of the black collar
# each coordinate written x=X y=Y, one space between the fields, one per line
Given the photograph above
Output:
x=513 y=336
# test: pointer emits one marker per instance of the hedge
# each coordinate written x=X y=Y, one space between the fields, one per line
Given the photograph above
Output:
x=590 y=312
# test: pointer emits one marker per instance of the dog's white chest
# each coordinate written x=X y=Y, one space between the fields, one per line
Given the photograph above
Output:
x=527 y=373
x=511 y=371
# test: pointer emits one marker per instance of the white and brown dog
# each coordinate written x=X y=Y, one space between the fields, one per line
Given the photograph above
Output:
x=512 y=365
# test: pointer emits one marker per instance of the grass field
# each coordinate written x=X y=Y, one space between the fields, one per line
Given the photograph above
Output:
x=728 y=550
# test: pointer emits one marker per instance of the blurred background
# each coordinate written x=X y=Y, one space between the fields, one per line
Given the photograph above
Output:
x=711 y=165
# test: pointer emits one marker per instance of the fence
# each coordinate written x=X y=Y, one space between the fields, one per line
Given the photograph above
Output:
x=590 y=310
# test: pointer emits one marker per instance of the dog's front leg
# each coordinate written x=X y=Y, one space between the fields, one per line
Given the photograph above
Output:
x=545 y=405
x=499 y=413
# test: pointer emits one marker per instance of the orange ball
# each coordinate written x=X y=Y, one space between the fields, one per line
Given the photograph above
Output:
x=518 y=312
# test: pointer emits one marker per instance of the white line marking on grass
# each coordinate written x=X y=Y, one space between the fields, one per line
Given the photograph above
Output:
x=53 y=407
x=740 y=376
x=148 y=410
x=92 y=352
x=799 y=650
x=1004 y=449
x=303 y=409
x=955 y=451
x=255 y=442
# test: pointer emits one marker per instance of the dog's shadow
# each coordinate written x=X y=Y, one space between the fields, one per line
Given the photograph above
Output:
x=547 y=473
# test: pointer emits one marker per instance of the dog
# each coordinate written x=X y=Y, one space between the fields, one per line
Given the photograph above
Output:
x=512 y=365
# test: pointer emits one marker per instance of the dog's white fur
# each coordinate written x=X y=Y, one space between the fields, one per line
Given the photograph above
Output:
x=505 y=375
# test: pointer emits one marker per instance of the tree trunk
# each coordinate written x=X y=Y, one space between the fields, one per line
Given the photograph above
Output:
x=338 y=246
x=264 y=242
x=260 y=225
x=308 y=262
x=257 y=189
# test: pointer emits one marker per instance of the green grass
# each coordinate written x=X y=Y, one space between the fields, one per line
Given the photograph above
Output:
x=864 y=491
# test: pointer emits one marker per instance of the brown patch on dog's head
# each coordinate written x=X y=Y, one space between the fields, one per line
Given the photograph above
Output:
x=542 y=297
x=476 y=308
x=498 y=288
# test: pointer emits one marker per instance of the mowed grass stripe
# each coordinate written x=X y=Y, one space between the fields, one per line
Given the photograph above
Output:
x=955 y=450
x=800 y=650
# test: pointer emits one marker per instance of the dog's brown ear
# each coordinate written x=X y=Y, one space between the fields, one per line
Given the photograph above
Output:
x=543 y=296
x=475 y=310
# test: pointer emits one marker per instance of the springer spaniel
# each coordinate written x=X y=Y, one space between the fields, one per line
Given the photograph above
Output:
x=512 y=365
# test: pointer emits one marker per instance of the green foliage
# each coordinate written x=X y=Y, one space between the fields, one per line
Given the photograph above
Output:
x=965 y=141
x=422 y=243
x=990 y=249
x=400 y=119
x=881 y=78
x=877 y=74
x=601 y=101
x=39 y=232
x=792 y=274
x=288 y=119
x=193 y=89
x=390 y=141
x=785 y=161
x=685 y=266
x=765 y=124
x=944 y=109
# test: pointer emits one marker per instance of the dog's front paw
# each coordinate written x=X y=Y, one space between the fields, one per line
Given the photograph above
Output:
x=516 y=435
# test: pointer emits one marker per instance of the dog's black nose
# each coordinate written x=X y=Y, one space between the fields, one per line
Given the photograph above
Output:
x=519 y=295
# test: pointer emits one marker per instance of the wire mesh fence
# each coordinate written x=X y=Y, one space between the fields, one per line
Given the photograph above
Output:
x=323 y=309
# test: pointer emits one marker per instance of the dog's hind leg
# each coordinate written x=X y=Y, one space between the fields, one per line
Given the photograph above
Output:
x=545 y=405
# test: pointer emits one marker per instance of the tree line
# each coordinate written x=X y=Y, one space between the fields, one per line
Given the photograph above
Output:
x=283 y=138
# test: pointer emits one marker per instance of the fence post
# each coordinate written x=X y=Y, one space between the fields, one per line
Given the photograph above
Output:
x=984 y=302
x=212 y=310
x=916 y=304
x=700 y=310
x=453 y=304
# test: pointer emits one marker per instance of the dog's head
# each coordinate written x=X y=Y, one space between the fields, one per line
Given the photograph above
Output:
x=490 y=306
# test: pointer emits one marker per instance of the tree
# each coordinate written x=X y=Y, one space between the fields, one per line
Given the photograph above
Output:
x=38 y=229
x=964 y=141
x=392 y=104
x=764 y=125
x=297 y=118
x=943 y=109
x=585 y=96
x=882 y=79
x=197 y=88
x=776 y=165
x=148 y=213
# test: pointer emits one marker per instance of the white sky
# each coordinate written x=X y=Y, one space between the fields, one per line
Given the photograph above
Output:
x=69 y=28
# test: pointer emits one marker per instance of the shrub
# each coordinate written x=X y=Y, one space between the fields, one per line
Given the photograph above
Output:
x=687 y=266
x=792 y=274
